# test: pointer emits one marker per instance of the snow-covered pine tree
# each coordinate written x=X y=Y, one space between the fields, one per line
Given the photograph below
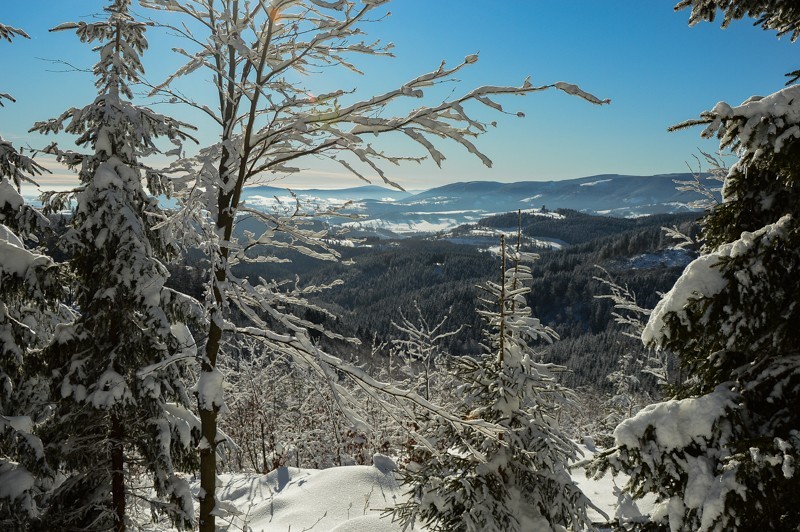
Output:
x=723 y=454
x=519 y=479
x=118 y=367
x=30 y=287
x=259 y=55
x=30 y=283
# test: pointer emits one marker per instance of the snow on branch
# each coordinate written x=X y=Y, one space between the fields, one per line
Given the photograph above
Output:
x=699 y=184
x=705 y=277
x=277 y=120
x=341 y=130
x=627 y=311
x=327 y=366
x=8 y=33
x=17 y=166
x=759 y=126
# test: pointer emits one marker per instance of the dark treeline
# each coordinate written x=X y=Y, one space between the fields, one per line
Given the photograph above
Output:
x=387 y=277
x=577 y=227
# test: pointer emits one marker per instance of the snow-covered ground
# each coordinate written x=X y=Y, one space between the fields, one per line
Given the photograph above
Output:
x=405 y=227
x=351 y=498
x=342 y=499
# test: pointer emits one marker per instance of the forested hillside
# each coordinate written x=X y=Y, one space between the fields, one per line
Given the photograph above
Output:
x=389 y=277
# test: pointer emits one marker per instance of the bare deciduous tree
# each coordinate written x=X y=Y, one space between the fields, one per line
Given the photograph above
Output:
x=257 y=53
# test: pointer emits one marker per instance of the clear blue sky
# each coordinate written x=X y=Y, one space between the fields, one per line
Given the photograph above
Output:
x=640 y=53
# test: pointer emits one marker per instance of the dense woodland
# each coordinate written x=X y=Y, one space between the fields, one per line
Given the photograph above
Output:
x=391 y=276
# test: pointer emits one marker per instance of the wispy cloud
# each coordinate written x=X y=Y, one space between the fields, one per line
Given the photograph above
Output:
x=61 y=178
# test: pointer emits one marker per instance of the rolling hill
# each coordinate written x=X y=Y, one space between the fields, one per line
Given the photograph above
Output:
x=393 y=212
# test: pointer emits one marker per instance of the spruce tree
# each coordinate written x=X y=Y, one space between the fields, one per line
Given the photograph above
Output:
x=782 y=16
x=517 y=479
x=117 y=368
x=30 y=283
x=30 y=286
x=722 y=454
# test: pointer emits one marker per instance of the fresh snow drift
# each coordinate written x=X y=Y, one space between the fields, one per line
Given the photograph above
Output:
x=353 y=498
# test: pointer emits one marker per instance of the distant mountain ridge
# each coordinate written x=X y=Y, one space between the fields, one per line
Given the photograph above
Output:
x=393 y=211
x=373 y=192
x=618 y=194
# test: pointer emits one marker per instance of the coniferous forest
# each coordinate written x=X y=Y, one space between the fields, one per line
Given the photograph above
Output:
x=175 y=358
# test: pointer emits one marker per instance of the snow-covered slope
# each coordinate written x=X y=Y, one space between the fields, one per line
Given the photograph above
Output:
x=344 y=499
x=350 y=498
x=386 y=211
x=446 y=207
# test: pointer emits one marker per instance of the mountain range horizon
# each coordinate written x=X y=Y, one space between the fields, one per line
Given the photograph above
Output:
x=416 y=190
x=392 y=212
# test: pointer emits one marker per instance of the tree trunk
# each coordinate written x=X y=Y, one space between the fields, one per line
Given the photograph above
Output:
x=208 y=416
x=208 y=452
x=117 y=473
x=264 y=449
x=208 y=471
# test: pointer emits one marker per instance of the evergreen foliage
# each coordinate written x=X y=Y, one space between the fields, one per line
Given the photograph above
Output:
x=722 y=455
x=118 y=368
x=519 y=479
x=30 y=284
x=782 y=16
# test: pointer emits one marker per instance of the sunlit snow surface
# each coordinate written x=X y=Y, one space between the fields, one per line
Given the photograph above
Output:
x=593 y=183
x=348 y=499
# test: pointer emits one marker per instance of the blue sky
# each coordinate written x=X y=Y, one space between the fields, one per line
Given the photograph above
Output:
x=641 y=54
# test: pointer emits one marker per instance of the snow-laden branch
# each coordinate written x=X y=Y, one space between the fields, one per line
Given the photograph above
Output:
x=627 y=312
x=327 y=366
x=252 y=60
x=782 y=16
x=759 y=126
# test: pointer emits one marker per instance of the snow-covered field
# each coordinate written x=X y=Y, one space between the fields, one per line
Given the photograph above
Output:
x=342 y=499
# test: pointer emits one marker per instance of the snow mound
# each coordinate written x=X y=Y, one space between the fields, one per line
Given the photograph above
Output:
x=353 y=498
x=344 y=499
x=605 y=492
